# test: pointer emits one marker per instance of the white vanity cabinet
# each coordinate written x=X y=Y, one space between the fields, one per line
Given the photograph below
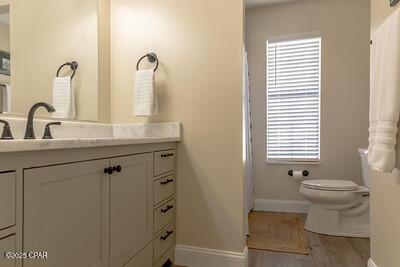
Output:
x=97 y=207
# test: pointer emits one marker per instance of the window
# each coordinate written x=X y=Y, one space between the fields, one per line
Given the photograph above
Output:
x=293 y=100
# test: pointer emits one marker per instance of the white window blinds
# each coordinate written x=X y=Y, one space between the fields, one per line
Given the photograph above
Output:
x=293 y=100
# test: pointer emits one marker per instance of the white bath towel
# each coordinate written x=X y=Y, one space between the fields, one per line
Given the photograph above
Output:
x=7 y=98
x=385 y=94
x=144 y=95
x=63 y=98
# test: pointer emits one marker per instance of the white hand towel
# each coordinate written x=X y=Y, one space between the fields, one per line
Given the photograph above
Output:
x=63 y=98
x=144 y=95
x=7 y=98
x=385 y=94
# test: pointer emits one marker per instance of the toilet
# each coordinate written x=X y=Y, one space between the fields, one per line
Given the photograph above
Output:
x=338 y=207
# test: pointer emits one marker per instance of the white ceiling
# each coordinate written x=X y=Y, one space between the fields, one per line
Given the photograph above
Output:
x=252 y=3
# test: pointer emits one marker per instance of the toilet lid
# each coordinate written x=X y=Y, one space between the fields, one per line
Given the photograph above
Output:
x=333 y=185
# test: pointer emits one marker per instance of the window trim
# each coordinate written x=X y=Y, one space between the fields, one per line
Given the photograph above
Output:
x=283 y=38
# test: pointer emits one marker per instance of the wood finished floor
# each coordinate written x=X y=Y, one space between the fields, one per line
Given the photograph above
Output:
x=326 y=251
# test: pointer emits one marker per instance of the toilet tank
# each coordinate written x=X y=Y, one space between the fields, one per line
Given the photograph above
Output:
x=364 y=165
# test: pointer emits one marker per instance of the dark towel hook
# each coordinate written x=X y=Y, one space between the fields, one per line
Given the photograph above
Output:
x=393 y=2
x=151 y=57
x=73 y=65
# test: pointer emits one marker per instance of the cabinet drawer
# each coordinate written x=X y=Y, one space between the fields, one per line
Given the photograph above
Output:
x=7 y=199
x=168 y=256
x=163 y=241
x=163 y=215
x=163 y=188
x=164 y=161
x=7 y=244
x=143 y=259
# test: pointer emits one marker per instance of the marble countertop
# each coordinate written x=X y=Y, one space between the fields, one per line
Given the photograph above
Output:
x=19 y=145
x=84 y=135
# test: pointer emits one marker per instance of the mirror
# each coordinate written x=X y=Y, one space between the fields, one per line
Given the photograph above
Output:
x=36 y=39
x=5 y=67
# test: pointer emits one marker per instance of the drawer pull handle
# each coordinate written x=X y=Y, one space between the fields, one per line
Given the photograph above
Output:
x=167 y=235
x=108 y=170
x=167 y=155
x=167 y=208
x=117 y=168
x=167 y=181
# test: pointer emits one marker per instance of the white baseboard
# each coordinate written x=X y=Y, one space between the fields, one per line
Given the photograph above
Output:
x=201 y=257
x=371 y=263
x=292 y=206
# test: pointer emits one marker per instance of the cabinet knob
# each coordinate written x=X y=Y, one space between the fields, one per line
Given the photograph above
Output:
x=167 y=208
x=166 y=181
x=108 y=170
x=167 y=235
x=117 y=168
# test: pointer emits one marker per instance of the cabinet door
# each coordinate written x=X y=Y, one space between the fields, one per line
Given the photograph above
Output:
x=131 y=207
x=7 y=199
x=7 y=244
x=66 y=211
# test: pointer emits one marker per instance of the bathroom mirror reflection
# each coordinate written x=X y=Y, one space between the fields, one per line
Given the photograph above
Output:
x=5 y=67
x=36 y=38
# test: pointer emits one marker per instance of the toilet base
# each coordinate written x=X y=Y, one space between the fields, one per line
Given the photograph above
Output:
x=333 y=222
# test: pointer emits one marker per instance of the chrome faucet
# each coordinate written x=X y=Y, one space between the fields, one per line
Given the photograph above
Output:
x=29 y=132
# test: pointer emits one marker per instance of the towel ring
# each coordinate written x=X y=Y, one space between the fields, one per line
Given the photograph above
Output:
x=73 y=65
x=393 y=2
x=151 y=57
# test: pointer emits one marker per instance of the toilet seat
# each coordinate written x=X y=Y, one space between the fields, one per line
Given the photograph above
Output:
x=330 y=185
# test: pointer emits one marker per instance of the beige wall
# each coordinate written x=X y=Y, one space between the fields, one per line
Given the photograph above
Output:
x=46 y=34
x=199 y=81
x=344 y=27
x=104 y=90
x=385 y=188
x=380 y=10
